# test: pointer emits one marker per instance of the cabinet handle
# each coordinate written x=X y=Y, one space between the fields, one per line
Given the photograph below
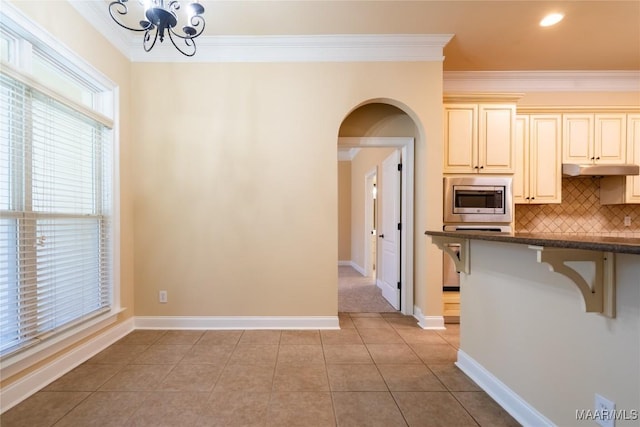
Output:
x=526 y=198
x=597 y=158
x=481 y=167
x=533 y=198
x=475 y=167
x=593 y=158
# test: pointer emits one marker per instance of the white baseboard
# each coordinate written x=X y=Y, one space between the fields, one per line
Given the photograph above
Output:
x=352 y=264
x=428 y=322
x=237 y=322
x=19 y=390
x=519 y=409
x=359 y=269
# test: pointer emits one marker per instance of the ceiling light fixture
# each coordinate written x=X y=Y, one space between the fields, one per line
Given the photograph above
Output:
x=160 y=20
x=551 y=19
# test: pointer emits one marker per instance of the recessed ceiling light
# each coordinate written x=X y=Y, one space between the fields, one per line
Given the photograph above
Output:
x=551 y=19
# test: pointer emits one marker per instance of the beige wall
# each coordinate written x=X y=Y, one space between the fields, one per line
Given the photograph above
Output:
x=344 y=211
x=236 y=195
x=532 y=333
x=63 y=22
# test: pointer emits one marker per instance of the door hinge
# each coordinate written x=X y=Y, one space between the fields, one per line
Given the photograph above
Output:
x=399 y=285
x=399 y=226
x=399 y=167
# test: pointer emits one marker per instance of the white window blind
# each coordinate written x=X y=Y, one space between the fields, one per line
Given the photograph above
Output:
x=55 y=214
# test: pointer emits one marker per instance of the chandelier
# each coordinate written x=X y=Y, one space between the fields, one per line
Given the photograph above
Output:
x=160 y=20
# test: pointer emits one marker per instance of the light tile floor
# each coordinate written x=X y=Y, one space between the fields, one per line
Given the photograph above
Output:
x=380 y=369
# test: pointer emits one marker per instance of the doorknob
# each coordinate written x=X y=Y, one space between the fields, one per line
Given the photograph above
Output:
x=381 y=236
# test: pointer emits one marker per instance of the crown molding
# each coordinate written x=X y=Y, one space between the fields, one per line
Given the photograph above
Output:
x=274 y=48
x=306 y=48
x=541 y=81
x=356 y=48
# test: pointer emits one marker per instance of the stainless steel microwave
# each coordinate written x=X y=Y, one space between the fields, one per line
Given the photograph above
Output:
x=478 y=199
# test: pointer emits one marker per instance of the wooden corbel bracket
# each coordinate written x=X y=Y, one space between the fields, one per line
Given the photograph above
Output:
x=460 y=258
x=599 y=296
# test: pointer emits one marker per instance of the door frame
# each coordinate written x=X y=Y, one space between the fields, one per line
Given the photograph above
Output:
x=406 y=146
x=369 y=178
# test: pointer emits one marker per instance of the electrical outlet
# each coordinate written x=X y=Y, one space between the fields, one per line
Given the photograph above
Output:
x=162 y=297
x=605 y=412
x=627 y=221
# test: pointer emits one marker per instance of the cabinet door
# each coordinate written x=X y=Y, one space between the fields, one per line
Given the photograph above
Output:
x=460 y=138
x=633 y=156
x=577 y=138
x=521 y=172
x=496 y=132
x=611 y=138
x=545 y=163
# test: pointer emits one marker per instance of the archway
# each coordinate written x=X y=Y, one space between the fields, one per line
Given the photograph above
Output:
x=376 y=124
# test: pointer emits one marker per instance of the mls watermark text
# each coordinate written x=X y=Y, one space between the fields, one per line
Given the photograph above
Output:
x=604 y=414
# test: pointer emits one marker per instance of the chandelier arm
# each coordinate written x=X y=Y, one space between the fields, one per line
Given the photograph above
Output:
x=121 y=9
x=174 y=5
x=195 y=23
x=187 y=41
x=147 y=37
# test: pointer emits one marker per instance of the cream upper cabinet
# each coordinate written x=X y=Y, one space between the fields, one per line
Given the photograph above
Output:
x=520 y=184
x=577 y=138
x=538 y=173
x=625 y=189
x=461 y=138
x=633 y=156
x=594 y=138
x=479 y=138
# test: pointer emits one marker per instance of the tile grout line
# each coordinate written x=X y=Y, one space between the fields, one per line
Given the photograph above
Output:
x=272 y=411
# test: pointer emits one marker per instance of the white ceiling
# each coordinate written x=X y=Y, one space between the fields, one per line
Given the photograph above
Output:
x=487 y=35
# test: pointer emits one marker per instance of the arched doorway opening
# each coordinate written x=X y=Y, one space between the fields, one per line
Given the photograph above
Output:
x=372 y=137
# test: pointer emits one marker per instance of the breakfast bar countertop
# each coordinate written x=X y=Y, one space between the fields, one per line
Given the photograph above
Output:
x=628 y=245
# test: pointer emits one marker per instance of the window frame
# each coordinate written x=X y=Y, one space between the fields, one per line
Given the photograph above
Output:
x=105 y=109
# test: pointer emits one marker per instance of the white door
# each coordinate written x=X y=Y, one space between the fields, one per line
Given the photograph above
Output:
x=389 y=235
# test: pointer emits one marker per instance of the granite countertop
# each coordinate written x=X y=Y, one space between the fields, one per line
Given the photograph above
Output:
x=625 y=245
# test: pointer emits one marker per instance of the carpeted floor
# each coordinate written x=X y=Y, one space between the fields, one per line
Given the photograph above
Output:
x=359 y=294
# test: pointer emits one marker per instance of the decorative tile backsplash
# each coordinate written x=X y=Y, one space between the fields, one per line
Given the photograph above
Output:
x=580 y=212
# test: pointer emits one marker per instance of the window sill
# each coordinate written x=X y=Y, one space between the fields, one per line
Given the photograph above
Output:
x=13 y=364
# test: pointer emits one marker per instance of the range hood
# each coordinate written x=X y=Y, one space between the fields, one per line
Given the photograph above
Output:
x=571 y=169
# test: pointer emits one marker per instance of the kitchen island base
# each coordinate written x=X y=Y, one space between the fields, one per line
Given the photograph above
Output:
x=526 y=339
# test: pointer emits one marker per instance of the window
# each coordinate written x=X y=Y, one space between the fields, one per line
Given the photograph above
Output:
x=56 y=193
